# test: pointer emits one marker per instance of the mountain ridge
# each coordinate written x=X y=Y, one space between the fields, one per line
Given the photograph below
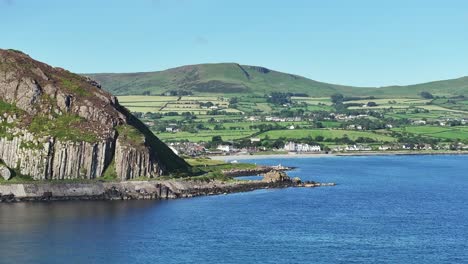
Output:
x=236 y=78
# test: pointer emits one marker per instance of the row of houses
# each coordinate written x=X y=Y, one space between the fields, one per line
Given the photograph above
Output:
x=283 y=119
x=274 y=119
x=347 y=117
x=301 y=147
x=422 y=146
x=352 y=148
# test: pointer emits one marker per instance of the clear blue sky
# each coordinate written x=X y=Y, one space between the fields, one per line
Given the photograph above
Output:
x=359 y=42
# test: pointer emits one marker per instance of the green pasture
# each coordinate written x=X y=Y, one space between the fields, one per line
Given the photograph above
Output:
x=326 y=133
x=205 y=135
x=436 y=131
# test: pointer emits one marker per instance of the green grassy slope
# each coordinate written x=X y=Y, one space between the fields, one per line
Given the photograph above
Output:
x=242 y=79
x=451 y=87
x=214 y=78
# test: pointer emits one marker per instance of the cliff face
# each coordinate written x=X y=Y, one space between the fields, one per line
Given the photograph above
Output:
x=58 y=125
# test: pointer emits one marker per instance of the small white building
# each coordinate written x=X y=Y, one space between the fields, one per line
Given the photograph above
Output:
x=384 y=147
x=290 y=146
x=254 y=140
x=224 y=148
x=419 y=122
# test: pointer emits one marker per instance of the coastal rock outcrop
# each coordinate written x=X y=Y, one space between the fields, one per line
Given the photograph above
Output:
x=276 y=176
x=5 y=173
x=58 y=125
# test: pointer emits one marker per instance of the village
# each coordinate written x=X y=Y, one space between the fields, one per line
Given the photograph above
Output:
x=195 y=125
x=192 y=149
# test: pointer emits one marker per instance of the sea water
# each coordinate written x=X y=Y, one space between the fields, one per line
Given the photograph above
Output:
x=385 y=209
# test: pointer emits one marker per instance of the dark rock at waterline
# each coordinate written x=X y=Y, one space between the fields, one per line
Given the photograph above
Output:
x=142 y=190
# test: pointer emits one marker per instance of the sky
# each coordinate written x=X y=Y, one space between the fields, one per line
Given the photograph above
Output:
x=358 y=42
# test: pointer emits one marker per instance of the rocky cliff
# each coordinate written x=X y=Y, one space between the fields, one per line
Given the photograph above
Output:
x=58 y=125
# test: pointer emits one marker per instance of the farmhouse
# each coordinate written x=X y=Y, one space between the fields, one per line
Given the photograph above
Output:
x=419 y=122
x=225 y=148
x=172 y=129
x=254 y=140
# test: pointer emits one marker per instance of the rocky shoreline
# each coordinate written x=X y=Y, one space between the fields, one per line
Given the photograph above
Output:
x=143 y=190
x=254 y=171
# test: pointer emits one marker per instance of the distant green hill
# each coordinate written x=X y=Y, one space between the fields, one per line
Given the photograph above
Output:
x=233 y=78
x=451 y=87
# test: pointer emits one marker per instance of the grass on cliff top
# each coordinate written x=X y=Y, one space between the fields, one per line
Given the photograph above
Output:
x=9 y=108
x=212 y=165
x=131 y=135
x=207 y=177
x=72 y=84
x=65 y=127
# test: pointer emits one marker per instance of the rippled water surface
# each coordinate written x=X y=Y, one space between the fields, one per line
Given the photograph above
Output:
x=392 y=209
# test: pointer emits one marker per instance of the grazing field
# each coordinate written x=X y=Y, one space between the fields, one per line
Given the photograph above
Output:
x=204 y=135
x=454 y=103
x=440 y=108
x=177 y=104
x=326 y=133
x=390 y=101
x=142 y=98
x=312 y=100
x=436 y=132
x=409 y=104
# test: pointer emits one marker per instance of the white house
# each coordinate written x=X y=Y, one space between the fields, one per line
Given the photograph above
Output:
x=254 y=140
x=171 y=129
x=419 y=122
x=290 y=146
x=224 y=148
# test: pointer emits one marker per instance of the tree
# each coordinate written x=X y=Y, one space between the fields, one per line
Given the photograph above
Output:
x=279 y=98
x=216 y=139
x=337 y=98
x=233 y=100
x=426 y=95
x=371 y=104
x=319 y=138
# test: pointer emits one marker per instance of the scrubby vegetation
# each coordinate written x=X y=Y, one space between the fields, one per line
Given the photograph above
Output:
x=131 y=135
x=65 y=127
x=110 y=173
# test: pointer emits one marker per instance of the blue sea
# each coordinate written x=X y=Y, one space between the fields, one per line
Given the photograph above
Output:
x=385 y=209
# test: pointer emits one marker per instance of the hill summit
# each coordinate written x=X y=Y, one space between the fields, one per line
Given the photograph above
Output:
x=235 y=78
x=212 y=78
x=58 y=125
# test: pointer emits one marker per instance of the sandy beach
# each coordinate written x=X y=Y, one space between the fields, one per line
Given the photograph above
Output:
x=322 y=155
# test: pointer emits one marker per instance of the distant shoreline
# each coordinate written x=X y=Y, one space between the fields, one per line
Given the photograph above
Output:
x=322 y=155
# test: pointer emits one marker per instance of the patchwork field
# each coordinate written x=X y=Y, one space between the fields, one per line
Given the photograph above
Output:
x=216 y=115
x=326 y=133
x=178 y=104
x=204 y=135
x=437 y=132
